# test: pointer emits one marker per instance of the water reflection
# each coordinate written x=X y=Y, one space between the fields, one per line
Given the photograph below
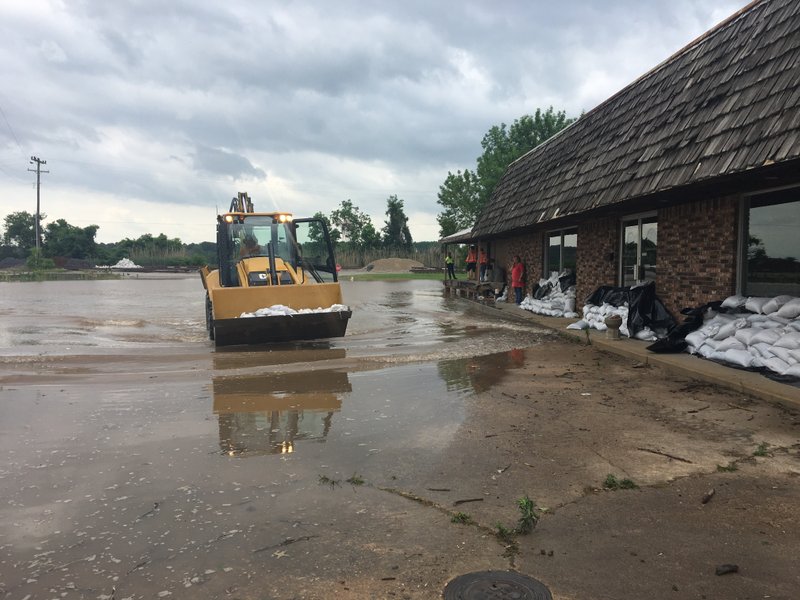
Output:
x=479 y=373
x=233 y=357
x=269 y=414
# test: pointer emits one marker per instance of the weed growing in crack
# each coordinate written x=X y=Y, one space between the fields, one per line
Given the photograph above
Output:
x=355 y=480
x=324 y=480
x=462 y=518
x=761 y=449
x=612 y=483
x=529 y=515
x=504 y=533
x=729 y=468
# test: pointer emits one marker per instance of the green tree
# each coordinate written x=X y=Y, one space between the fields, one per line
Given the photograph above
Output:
x=315 y=231
x=502 y=146
x=354 y=226
x=396 y=233
x=460 y=195
x=36 y=262
x=20 y=230
x=63 y=239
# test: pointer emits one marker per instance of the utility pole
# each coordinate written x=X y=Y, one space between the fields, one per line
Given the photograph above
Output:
x=39 y=162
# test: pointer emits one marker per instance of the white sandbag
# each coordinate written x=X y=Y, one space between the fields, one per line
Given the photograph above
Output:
x=696 y=339
x=718 y=356
x=795 y=354
x=569 y=305
x=753 y=319
x=730 y=329
x=711 y=329
x=741 y=358
x=756 y=304
x=734 y=302
x=769 y=336
x=600 y=326
x=774 y=304
x=705 y=351
x=776 y=364
x=571 y=315
x=790 y=340
x=757 y=363
x=784 y=354
x=712 y=343
x=646 y=334
x=790 y=310
x=746 y=334
x=794 y=325
x=774 y=318
x=793 y=371
x=731 y=344
x=764 y=349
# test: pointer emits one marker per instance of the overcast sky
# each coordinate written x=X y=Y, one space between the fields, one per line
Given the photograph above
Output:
x=152 y=115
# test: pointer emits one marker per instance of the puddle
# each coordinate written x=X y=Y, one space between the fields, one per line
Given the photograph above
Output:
x=164 y=465
x=270 y=414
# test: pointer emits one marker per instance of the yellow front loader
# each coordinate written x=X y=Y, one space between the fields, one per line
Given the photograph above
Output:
x=276 y=279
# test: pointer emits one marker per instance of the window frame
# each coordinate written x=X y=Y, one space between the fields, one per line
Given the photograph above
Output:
x=546 y=254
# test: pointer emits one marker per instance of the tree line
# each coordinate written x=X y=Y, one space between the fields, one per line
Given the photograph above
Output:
x=62 y=240
x=462 y=196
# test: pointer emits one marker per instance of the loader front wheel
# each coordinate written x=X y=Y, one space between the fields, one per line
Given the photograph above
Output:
x=209 y=318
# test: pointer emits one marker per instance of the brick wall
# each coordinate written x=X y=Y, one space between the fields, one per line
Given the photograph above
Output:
x=530 y=248
x=696 y=256
x=697 y=246
x=597 y=256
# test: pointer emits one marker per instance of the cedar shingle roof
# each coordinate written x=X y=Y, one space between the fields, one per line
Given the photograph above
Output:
x=727 y=103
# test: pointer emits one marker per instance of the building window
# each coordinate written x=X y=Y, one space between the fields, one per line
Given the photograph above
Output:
x=639 y=249
x=772 y=244
x=562 y=247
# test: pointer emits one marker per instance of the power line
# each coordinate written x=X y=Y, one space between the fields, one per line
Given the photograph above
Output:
x=39 y=162
x=14 y=135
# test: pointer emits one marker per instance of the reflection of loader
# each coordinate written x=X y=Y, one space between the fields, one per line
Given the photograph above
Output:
x=267 y=414
x=264 y=262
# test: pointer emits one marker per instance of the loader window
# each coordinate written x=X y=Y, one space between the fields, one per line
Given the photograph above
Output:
x=315 y=249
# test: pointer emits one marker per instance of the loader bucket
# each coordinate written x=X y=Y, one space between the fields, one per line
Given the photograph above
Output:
x=267 y=330
x=230 y=328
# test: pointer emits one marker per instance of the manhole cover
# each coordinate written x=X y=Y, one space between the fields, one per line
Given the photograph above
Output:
x=499 y=585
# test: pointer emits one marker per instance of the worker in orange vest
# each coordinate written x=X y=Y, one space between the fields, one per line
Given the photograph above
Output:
x=472 y=261
x=484 y=262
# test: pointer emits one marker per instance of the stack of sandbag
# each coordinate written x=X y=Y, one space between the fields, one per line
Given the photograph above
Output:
x=554 y=297
x=281 y=310
x=594 y=317
x=756 y=333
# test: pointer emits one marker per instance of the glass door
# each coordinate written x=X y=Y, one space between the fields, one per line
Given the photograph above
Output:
x=639 y=245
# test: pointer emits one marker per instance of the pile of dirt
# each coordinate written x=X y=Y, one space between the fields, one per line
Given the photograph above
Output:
x=392 y=265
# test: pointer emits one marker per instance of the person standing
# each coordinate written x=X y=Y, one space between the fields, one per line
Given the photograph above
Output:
x=484 y=261
x=472 y=260
x=517 y=275
x=451 y=268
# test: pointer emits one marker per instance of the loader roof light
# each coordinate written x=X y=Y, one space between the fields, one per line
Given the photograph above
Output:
x=285 y=218
x=229 y=218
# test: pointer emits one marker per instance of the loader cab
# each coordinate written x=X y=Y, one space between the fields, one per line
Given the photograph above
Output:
x=258 y=249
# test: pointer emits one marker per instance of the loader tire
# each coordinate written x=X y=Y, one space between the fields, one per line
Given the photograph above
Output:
x=209 y=318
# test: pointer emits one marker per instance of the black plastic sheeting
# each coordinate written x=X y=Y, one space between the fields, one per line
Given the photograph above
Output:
x=675 y=340
x=644 y=307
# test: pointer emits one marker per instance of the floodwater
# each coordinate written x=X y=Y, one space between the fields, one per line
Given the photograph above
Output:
x=138 y=462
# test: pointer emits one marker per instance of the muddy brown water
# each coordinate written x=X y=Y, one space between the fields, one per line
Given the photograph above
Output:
x=138 y=462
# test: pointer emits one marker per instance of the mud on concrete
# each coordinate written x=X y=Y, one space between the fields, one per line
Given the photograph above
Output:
x=550 y=423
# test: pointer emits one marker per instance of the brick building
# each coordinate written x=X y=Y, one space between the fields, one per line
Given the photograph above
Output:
x=689 y=176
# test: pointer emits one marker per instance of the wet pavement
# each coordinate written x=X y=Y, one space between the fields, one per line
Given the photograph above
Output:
x=140 y=463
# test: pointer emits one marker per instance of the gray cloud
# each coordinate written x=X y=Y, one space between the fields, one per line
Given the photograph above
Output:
x=109 y=93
